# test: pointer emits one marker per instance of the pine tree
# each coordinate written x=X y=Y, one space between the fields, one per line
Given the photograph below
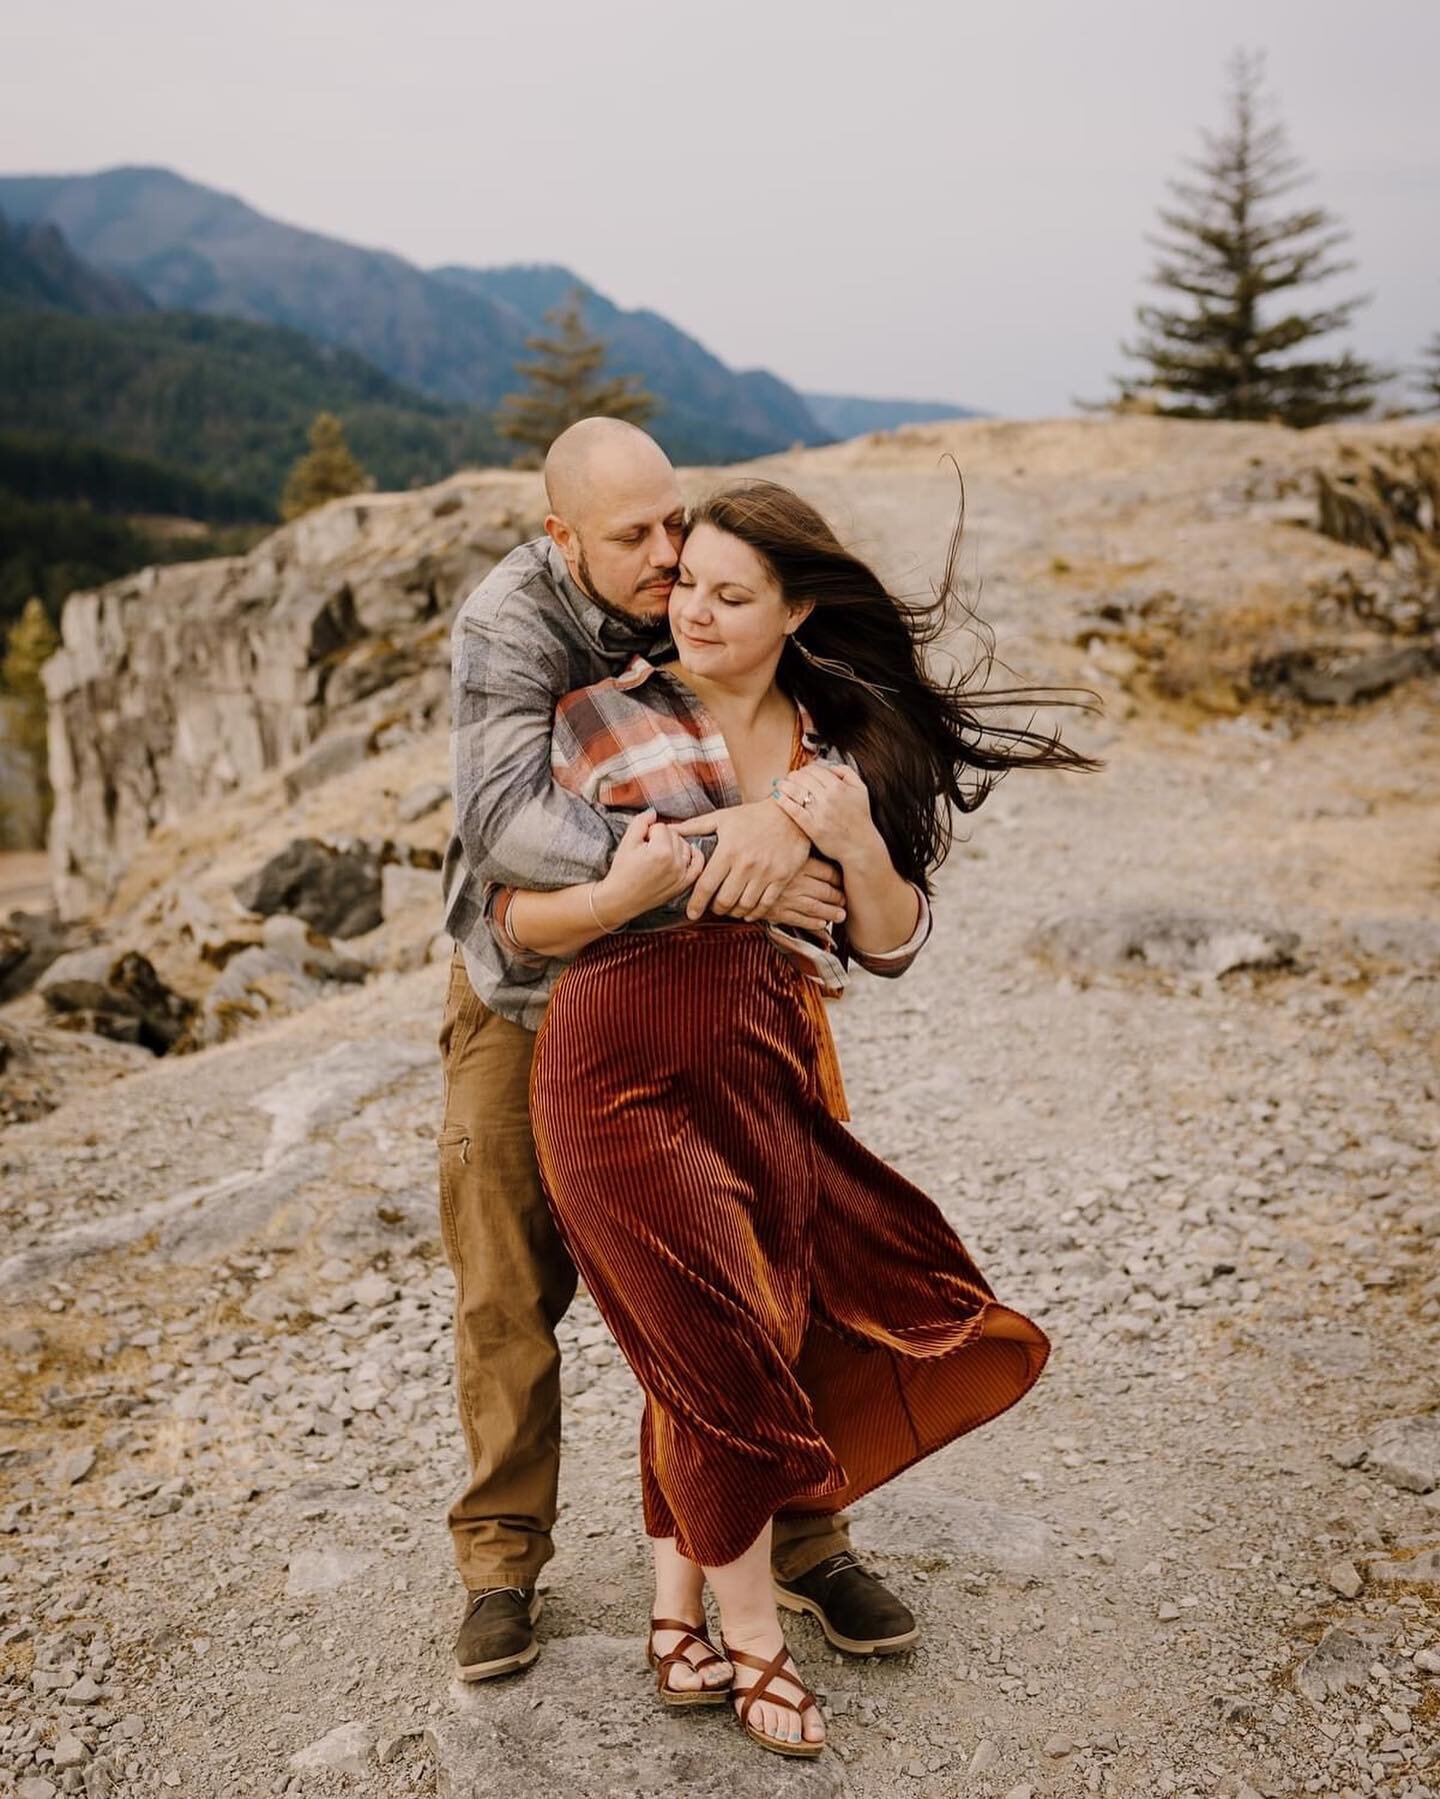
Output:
x=566 y=385
x=30 y=642
x=1229 y=251
x=328 y=472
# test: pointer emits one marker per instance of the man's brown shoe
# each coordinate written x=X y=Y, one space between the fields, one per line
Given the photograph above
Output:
x=497 y=1633
x=857 y=1612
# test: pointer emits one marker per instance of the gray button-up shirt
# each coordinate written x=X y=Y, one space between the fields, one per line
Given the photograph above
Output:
x=524 y=637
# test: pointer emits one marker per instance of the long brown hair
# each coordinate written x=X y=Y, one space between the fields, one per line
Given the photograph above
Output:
x=921 y=745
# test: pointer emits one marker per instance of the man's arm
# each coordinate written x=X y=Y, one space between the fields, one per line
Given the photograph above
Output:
x=519 y=828
x=516 y=825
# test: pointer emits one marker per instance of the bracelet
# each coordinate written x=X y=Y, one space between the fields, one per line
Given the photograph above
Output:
x=507 y=930
x=609 y=929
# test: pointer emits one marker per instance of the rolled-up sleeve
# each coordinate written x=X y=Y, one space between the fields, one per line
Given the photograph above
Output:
x=891 y=962
x=497 y=915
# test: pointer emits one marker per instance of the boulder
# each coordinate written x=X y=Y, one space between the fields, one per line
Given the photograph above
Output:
x=336 y=890
x=1159 y=939
x=290 y=968
x=348 y=1749
x=1321 y=677
x=1338 y=1661
x=1406 y=1452
x=118 y=994
x=29 y=943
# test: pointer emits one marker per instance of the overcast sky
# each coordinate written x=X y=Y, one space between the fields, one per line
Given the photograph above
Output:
x=942 y=199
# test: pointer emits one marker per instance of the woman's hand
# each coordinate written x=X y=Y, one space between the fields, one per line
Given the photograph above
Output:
x=831 y=804
x=652 y=863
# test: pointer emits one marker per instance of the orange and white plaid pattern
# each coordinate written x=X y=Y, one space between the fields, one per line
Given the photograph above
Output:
x=643 y=738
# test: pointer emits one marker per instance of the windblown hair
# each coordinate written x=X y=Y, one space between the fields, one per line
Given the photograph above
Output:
x=919 y=739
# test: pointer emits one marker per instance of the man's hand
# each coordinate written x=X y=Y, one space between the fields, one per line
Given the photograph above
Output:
x=814 y=899
x=758 y=852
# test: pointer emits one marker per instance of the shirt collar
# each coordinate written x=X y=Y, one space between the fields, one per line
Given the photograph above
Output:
x=640 y=668
x=608 y=635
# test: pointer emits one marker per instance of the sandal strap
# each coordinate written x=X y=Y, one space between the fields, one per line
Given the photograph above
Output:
x=769 y=1671
x=700 y=1630
x=689 y=1633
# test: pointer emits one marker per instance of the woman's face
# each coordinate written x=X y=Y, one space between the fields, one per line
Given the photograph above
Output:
x=727 y=614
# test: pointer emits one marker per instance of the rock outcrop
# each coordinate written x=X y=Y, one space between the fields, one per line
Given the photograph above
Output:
x=176 y=686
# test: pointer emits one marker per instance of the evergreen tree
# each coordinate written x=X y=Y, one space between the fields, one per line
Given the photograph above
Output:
x=328 y=472
x=566 y=385
x=1429 y=382
x=1230 y=250
x=30 y=641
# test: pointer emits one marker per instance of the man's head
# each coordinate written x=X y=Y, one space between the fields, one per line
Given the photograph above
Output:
x=616 y=516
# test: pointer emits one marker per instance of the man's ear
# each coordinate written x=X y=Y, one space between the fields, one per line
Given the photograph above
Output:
x=559 y=533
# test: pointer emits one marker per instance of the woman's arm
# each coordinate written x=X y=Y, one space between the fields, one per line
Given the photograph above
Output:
x=883 y=910
x=651 y=865
x=887 y=917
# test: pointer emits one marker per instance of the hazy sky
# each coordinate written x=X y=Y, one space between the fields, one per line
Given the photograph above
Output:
x=944 y=200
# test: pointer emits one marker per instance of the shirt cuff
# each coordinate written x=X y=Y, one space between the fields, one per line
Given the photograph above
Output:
x=896 y=961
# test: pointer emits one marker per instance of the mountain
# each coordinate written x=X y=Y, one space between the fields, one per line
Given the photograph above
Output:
x=193 y=249
x=39 y=271
x=846 y=415
x=446 y=334
x=227 y=401
x=749 y=413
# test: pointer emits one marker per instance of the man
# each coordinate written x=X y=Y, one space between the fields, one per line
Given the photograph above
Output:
x=560 y=612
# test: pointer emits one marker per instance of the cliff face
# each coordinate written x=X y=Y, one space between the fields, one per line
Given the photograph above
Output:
x=175 y=686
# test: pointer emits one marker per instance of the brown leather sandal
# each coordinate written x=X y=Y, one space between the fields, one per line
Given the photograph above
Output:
x=745 y=1700
x=662 y=1664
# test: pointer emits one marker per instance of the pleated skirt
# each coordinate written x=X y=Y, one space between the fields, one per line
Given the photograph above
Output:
x=803 y=1320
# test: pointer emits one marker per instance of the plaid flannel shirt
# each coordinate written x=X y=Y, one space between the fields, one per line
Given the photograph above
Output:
x=522 y=639
x=641 y=739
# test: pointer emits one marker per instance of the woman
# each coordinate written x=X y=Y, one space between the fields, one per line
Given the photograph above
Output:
x=803 y=1321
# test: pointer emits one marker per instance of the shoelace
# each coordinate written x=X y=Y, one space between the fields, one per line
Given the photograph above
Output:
x=837 y=1564
x=490 y=1592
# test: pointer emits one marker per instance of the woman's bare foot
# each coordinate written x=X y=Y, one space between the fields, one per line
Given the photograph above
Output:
x=684 y=1676
x=680 y=1594
x=750 y=1626
x=769 y=1718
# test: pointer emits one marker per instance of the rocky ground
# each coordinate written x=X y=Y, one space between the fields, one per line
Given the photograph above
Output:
x=1169 y=1064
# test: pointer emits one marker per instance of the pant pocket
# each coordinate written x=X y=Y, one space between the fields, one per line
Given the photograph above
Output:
x=454 y=1149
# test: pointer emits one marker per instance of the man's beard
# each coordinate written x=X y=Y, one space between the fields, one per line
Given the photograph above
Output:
x=585 y=581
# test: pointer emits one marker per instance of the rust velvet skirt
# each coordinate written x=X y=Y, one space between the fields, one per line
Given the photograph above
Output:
x=803 y=1321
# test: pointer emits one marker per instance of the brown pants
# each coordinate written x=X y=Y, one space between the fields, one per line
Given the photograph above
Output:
x=513 y=1283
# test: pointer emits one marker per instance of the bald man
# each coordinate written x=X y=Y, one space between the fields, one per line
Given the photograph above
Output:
x=567 y=609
